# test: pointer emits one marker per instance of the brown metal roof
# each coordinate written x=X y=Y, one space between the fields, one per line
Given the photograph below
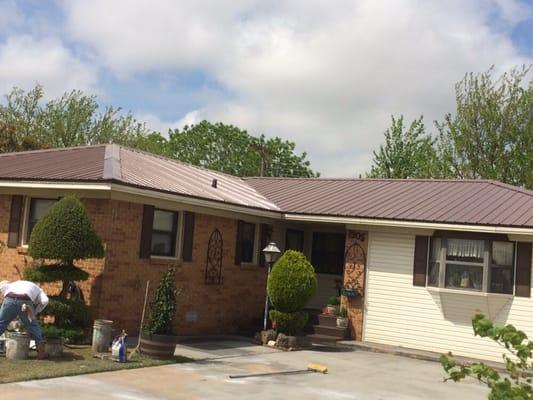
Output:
x=479 y=202
x=75 y=163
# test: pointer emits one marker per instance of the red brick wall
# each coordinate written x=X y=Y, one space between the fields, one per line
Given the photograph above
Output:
x=116 y=286
x=354 y=277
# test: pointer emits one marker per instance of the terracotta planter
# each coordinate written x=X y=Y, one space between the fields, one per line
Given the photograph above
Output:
x=333 y=310
x=342 y=322
x=158 y=346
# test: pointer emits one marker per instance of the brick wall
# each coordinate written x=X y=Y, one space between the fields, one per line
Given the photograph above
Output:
x=116 y=286
x=354 y=277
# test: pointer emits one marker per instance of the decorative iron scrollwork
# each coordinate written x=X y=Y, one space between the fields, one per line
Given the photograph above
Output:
x=213 y=266
x=354 y=268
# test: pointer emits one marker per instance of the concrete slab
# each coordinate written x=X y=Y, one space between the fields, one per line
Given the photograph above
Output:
x=354 y=375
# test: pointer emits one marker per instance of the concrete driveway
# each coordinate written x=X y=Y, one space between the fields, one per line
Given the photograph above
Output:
x=352 y=375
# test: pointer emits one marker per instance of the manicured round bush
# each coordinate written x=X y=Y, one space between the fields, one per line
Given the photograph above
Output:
x=289 y=323
x=292 y=282
x=65 y=233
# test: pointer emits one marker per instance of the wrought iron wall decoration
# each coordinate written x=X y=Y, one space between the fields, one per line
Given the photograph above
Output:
x=354 y=268
x=213 y=265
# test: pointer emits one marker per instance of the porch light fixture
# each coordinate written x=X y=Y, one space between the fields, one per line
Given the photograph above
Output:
x=270 y=252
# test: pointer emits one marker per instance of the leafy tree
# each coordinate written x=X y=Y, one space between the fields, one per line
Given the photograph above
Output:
x=63 y=235
x=490 y=135
x=229 y=149
x=407 y=153
x=27 y=121
x=516 y=383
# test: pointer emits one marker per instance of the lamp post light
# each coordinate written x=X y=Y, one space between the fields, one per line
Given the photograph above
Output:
x=270 y=252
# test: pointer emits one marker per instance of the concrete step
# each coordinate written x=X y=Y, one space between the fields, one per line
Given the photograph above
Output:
x=322 y=339
x=341 y=333
x=327 y=320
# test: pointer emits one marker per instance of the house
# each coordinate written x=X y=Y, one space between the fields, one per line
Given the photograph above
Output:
x=416 y=258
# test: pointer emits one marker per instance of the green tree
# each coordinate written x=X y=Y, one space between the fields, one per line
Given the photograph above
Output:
x=407 y=153
x=490 y=135
x=27 y=121
x=61 y=236
x=229 y=149
x=516 y=384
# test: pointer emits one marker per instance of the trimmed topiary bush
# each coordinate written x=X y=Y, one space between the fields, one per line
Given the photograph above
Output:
x=292 y=282
x=63 y=235
x=163 y=308
x=289 y=323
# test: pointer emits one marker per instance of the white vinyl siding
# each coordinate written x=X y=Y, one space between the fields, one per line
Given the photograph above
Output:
x=400 y=314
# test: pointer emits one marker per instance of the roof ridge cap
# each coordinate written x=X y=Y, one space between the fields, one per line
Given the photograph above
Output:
x=112 y=165
x=510 y=187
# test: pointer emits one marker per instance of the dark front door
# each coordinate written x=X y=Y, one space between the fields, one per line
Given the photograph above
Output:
x=327 y=256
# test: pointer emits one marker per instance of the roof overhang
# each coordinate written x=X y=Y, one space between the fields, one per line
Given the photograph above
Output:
x=110 y=187
x=406 y=224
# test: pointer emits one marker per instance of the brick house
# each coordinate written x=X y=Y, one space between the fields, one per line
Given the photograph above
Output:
x=424 y=255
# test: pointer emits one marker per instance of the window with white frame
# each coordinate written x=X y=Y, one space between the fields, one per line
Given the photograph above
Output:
x=471 y=264
x=164 y=233
x=35 y=208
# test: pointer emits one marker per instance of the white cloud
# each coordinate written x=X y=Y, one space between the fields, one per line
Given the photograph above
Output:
x=157 y=124
x=326 y=75
x=26 y=61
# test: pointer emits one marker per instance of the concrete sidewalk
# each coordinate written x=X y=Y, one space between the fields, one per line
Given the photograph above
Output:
x=354 y=375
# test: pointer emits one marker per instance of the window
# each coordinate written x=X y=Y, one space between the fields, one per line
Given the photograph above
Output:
x=164 y=231
x=294 y=240
x=36 y=209
x=471 y=264
x=247 y=242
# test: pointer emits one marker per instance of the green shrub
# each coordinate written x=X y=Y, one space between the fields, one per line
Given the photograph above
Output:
x=54 y=273
x=163 y=308
x=71 y=335
x=343 y=312
x=65 y=233
x=292 y=282
x=334 y=301
x=289 y=323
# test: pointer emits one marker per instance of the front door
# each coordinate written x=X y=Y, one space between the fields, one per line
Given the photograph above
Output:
x=327 y=256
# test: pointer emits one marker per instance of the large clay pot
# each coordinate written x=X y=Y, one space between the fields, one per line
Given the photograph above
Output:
x=158 y=346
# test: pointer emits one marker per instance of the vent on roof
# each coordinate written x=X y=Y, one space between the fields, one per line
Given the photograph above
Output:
x=214 y=183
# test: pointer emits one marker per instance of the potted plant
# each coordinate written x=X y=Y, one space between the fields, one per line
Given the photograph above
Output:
x=342 y=318
x=333 y=305
x=158 y=339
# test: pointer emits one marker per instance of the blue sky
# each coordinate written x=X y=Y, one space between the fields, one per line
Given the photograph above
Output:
x=325 y=74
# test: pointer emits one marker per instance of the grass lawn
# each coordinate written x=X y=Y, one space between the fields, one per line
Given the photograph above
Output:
x=75 y=361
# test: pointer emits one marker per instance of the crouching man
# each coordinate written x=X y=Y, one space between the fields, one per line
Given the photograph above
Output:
x=25 y=300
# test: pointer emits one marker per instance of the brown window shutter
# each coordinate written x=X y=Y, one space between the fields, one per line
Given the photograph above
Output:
x=188 y=235
x=523 y=269
x=421 y=260
x=264 y=239
x=146 y=231
x=13 y=237
x=238 y=244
